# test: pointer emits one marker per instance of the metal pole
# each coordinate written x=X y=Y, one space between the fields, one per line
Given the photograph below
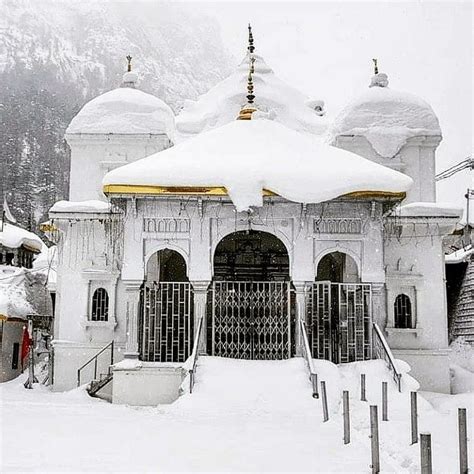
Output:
x=362 y=388
x=314 y=382
x=414 y=418
x=462 y=421
x=325 y=401
x=425 y=452
x=374 y=438
x=384 y=401
x=345 y=411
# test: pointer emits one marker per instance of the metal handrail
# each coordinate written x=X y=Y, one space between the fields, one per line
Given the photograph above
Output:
x=382 y=350
x=313 y=376
x=94 y=359
x=194 y=356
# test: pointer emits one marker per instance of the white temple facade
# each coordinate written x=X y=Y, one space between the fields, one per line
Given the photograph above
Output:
x=245 y=238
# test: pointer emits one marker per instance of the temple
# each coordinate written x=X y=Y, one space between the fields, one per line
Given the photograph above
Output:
x=239 y=229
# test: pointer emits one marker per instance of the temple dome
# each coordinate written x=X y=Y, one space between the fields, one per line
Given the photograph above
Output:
x=387 y=118
x=273 y=98
x=125 y=110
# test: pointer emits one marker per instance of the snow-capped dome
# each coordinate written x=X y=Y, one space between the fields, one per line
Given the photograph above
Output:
x=273 y=98
x=125 y=110
x=386 y=118
x=244 y=158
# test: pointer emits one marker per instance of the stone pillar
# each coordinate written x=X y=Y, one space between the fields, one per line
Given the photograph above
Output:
x=200 y=303
x=379 y=306
x=132 y=291
x=301 y=289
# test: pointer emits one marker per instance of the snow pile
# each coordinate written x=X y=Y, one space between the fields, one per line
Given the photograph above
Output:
x=252 y=416
x=223 y=102
x=459 y=256
x=14 y=237
x=92 y=206
x=13 y=298
x=386 y=118
x=428 y=209
x=124 y=111
x=247 y=157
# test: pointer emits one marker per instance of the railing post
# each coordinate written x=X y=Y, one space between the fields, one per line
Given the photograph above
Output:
x=414 y=417
x=374 y=439
x=362 y=388
x=79 y=378
x=425 y=453
x=462 y=422
x=325 y=401
x=384 y=401
x=314 y=383
x=112 y=353
x=345 y=411
x=95 y=368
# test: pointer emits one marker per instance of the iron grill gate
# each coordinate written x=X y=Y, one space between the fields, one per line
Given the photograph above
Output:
x=166 y=329
x=251 y=320
x=339 y=321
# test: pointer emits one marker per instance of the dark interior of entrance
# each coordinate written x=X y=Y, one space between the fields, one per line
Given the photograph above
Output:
x=251 y=307
x=251 y=256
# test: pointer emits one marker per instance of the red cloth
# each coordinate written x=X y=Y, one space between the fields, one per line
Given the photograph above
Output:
x=25 y=345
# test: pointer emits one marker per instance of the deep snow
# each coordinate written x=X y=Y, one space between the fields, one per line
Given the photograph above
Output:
x=248 y=156
x=243 y=416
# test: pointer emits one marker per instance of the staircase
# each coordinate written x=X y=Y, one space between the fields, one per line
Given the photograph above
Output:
x=463 y=320
x=99 y=380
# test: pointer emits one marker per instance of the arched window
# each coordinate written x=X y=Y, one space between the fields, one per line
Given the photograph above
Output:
x=403 y=314
x=100 y=305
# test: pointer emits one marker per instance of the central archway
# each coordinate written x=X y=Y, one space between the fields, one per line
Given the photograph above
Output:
x=251 y=314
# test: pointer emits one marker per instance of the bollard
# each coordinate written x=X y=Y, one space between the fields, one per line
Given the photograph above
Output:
x=325 y=401
x=425 y=452
x=314 y=383
x=345 y=412
x=414 y=418
x=384 y=401
x=374 y=438
x=462 y=422
x=362 y=388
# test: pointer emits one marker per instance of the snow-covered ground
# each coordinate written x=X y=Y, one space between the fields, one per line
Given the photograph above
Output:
x=243 y=416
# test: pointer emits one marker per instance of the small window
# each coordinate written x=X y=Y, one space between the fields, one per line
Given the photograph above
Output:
x=403 y=313
x=15 y=355
x=100 y=305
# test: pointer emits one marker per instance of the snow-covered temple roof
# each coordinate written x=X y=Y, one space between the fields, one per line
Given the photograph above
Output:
x=221 y=104
x=125 y=110
x=15 y=237
x=244 y=159
x=386 y=118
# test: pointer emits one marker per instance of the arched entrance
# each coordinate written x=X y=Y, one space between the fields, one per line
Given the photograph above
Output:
x=338 y=311
x=251 y=311
x=166 y=309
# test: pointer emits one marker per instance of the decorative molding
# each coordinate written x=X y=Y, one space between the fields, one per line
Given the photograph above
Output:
x=338 y=225
x=166 y=225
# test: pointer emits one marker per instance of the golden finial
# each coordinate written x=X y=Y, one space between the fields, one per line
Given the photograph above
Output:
x=251 y=47
x=249 y=108
x=376 y=68
x=129 y=59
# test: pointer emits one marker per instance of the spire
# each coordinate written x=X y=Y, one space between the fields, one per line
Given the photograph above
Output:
x=130 y=78
x=251 y=47
x=249 y=108
x=379 y=79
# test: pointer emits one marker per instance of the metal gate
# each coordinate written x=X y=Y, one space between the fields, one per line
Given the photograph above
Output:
x=339 y=321
x=251 y=320
x=166 y=325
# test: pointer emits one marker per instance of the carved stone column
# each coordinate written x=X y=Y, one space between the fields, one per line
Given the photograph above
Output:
x=379 y=306
x=132 y=290
x=200 y=304
x=301 y=289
